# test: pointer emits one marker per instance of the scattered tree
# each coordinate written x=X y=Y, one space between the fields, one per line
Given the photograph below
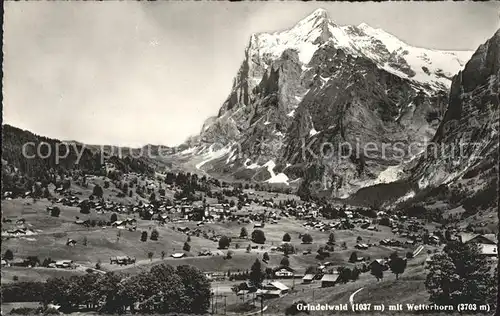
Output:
x=256 y=276
x=154 y=235
x=307 y=239
x=144 y=236
x=265 y=257
x=377 y=271
x=97 y=191
x=9 y=255
x=286 y=237
x=186 y=247
x=224 y=242
x=331 y=239
x=397 y=265
x=55 y=211
x=258 y=236
x=243 y=232
x=354 y=257
x=285 y=262
x=288 y=249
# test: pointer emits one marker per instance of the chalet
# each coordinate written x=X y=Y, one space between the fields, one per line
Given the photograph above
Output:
x=177 y=255
x=16 y=232
x=486 y=242
x=434 y=239
x=163 y=218
x=183 y=229
x=379 y=262
x=328 y=280
x=122 y=260
x=308 y=278
x=18 y=262
x=70 y=242
x=361 y=246
x=257 y=225
x=245 y=288
x=131 y=221
x=119 y=223
x=273 y=289
x=64 y=264
x=205 y=253
x=284 y=272
x=428 y=261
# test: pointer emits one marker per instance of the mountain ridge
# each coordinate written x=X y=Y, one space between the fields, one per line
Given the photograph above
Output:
x=284 y=69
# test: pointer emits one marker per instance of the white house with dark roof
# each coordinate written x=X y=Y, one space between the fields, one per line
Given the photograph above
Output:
x=487 y=242
x=308 y=278
x=273 y=289
x=329 y=280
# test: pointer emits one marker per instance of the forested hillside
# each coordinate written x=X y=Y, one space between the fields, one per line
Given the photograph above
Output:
x=43 y=159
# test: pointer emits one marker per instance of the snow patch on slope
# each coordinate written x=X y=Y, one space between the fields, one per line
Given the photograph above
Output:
x=251 y=165
x=275 y=178
x=213 y=154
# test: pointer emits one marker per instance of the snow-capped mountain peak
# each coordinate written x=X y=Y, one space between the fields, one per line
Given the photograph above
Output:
x=314 y=20
x=429 y=69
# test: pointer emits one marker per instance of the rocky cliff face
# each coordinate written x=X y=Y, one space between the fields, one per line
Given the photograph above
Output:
x=464 y=152
x=302 y=92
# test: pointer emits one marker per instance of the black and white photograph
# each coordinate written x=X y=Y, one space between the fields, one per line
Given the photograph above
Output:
x=250 y=158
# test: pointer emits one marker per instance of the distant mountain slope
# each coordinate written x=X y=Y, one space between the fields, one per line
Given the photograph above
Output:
x=321 y=82
x=459 y=168
x=27 y=157
x=468 y=136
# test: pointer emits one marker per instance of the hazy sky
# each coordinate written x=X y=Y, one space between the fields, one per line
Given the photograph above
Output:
x=132 y=73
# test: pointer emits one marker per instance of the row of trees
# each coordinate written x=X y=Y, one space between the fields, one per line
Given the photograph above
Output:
x=163 y=289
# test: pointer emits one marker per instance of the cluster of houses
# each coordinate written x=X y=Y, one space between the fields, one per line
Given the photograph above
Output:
x=122 y=260
x=322 y=226
x=271 y=289
x=487 y=244
x=17 y=228
x=27 y=263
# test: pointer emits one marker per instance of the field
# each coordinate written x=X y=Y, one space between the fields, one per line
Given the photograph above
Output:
x=98 y=244
x=102 y=243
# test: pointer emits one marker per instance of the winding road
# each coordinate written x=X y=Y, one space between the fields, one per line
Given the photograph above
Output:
x=351 y=298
